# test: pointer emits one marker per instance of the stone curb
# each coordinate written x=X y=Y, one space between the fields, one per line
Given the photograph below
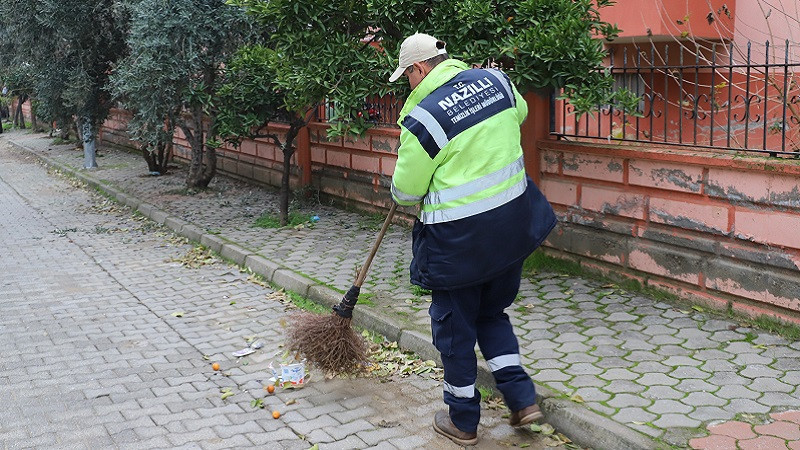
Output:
x=585 y=427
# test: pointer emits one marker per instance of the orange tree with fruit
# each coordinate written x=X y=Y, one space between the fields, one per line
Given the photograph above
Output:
x=342 y=51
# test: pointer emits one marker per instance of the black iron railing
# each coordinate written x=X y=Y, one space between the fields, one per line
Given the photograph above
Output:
x=715 y=97
x=381 y=111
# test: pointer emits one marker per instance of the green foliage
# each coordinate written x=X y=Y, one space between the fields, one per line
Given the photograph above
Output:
x=321 y=51
x=418 y=291
x=61 y=53
x=540 y=44
x=539 y=261
x=248 y=98
x=305 y=303
x=170 y=78
x=486 y=393
x=270 y=220
x=341 y=52
x=771 y=324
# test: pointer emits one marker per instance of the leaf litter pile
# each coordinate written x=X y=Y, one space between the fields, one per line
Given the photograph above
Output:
x=551 y=438
x=196 y=257
x=388 y=360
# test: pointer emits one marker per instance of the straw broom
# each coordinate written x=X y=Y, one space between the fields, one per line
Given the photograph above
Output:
x=329 y=341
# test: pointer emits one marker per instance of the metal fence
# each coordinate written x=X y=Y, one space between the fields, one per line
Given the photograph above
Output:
x=715 y=97
x=381 y=111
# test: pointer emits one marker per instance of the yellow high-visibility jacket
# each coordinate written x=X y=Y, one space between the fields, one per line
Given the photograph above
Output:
x=460 y=157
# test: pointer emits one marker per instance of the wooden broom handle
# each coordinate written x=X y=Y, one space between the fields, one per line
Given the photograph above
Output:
x=362 y=274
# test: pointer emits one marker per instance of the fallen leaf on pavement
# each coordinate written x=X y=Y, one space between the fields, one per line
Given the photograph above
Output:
x=196 y=258
x=551 y=442
x=576 y=398
x=226 y=392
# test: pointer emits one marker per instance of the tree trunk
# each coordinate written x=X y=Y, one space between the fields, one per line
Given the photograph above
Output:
x=78 y=133
x=284 y=192
x=288 y=151
x=158 y=159
x=19 y=117
x=34 y=123
x=203 y=165
x=89 y=143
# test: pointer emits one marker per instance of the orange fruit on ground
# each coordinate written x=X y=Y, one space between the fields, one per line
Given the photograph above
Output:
x=215 y=366
x=270 y=389
x=275 y=414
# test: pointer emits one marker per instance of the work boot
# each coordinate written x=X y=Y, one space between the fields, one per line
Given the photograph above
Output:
x=444 y=426
x=526 y=415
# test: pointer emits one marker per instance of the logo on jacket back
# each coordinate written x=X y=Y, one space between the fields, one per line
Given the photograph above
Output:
x=470 y=98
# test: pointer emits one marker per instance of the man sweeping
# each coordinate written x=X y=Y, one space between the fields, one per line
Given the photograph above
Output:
x=480 y=217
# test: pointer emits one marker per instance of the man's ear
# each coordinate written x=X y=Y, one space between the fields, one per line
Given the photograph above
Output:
x=422 y=67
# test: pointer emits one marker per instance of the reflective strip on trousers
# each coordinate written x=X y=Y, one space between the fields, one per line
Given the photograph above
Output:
x=460 y=392
x=503 y=361
x=475 y=208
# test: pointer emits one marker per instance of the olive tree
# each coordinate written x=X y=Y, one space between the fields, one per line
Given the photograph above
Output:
x=16 y=65
x=69 y=47
x=88 y=37
x=169 y=79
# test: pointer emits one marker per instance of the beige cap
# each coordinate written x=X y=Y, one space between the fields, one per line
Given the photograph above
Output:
x=417 y=47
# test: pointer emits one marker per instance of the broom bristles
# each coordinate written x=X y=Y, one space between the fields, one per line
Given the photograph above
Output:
x=328 y=342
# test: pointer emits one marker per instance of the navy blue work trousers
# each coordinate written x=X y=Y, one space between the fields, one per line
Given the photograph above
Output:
x=459 y=318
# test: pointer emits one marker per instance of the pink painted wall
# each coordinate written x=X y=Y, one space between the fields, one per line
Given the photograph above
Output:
x=737 y=21
x=774 y=20
x=660 y=17
x=709 y=226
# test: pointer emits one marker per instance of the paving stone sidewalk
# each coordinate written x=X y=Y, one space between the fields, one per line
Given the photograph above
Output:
x=666 y=371
x=107 y=341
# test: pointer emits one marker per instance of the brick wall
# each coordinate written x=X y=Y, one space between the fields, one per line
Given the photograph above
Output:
x=351 y=172
x=720 y=229
x=713 y=226
x=115 y=129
